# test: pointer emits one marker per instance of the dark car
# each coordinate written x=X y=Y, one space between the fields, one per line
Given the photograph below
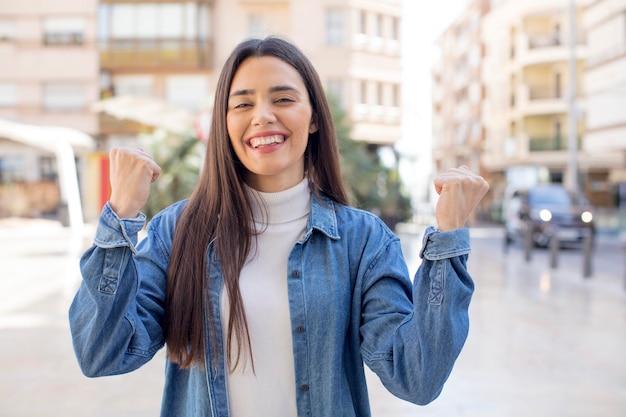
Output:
x=548 y=209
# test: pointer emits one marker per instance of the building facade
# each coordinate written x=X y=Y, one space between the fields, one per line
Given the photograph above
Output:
x=67 y=58
x=604 y=86
x=49 y=76
x=458 y=93
x=529 y=82
x=174 y=50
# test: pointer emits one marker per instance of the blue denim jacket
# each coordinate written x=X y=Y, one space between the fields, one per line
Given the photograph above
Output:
x=350 y=297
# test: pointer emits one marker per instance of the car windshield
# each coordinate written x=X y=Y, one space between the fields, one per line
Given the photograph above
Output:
x=553 y=196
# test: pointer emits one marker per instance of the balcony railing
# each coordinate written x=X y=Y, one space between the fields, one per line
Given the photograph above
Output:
x=544 y=41
x=550 y=143
x=544 y=92
x=156 y=53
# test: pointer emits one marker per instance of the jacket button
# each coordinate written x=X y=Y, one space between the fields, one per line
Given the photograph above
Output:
x=304 y=387
x=300 y=329
x=295 y=274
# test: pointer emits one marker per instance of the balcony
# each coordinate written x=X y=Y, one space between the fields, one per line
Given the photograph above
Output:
x=544 y=92
x=150 y=54
x=550 y=144
x=538 y=99
x=541 y=50
x=544 y=41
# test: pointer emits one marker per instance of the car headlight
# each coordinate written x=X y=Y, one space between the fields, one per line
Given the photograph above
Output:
x=545 y=215
x=586 y=217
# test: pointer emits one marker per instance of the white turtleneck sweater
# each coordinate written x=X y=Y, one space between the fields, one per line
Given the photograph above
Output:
x=270 y=391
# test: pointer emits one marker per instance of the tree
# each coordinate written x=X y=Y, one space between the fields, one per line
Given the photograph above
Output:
x=372 y=185
x=180 y=158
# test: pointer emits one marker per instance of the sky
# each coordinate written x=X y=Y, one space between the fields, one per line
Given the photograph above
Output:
x=423 y=22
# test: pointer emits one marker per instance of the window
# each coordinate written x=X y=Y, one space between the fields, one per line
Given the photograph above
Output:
x=362 y=22
x=335 y=92
x=378 y=110
x=8 y=95
x=171 y=21
x=379 y=25
x=48 y=168
x=63 y=31
x=395 y=95
x=334 y=27
x=257 y=26
x=122 y=21
x=363 y=92
x=186 y=91
x=395 y=28
x=12 y=168
x=134 y=85
x=151 y=21
x=558 y=135
x=380 y=93
x=64 y=97
x=7 y=30
x=557 y=85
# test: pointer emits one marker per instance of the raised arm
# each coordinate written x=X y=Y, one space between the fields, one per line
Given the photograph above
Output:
x=116 y=315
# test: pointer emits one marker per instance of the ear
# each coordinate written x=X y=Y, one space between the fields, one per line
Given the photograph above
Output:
x=312 y=126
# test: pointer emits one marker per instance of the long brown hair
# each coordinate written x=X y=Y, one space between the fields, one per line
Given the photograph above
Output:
x=219 y=212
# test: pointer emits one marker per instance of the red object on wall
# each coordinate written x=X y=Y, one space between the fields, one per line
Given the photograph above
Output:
x=105 y=185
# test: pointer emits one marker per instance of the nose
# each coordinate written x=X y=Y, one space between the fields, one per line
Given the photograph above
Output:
x=263 y=115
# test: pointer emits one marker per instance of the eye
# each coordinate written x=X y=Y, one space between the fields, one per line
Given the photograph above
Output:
x=284 y=100
x=241 y=105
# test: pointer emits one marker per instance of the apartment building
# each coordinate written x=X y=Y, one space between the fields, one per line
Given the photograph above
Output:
x=49 y=76
x=528 y=83
x=604 y=86
x=63 y=59
x=174 y=50
x=162 y=50
x=458 y=92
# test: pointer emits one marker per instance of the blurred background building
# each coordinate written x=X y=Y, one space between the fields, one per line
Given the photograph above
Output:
x=49 y=76
x=458 y=93
x=538 y=74
x=526 y=103
x=116 y=68
x=509 y=89
x=604 y=86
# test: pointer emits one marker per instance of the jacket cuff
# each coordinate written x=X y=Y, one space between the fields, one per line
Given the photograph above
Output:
x=113 y=232
x=437 y=245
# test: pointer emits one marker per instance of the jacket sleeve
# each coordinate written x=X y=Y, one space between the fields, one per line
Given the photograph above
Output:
x=413 y=333
x=117 y=314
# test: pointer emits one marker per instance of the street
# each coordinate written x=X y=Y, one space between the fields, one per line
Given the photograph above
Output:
x=544 y=342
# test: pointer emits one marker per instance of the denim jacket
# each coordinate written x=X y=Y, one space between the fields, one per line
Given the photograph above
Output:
x=351 y=302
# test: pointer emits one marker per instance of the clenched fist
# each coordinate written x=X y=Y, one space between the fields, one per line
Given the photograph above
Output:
x=460 y=191
x=131 y=173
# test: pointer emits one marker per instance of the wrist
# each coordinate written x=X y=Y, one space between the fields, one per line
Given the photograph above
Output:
x=123 y=212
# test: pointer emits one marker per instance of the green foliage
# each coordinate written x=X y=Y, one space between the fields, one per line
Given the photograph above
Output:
x=180 y=159
x=372 y=186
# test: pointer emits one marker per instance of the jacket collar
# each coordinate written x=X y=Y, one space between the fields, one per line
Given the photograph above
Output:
x=323 y=217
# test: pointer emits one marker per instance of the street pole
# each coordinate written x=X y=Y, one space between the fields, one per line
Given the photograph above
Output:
x=572 y=114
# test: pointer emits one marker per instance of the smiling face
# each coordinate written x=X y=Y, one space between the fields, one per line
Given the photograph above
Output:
x=269 y=119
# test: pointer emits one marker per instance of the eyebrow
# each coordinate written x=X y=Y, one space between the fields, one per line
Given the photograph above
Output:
x=274 y=89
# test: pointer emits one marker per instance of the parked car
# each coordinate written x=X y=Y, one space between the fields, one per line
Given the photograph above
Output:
x=548 y=209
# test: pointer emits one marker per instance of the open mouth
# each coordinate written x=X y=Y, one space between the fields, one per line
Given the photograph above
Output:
x=262 y=142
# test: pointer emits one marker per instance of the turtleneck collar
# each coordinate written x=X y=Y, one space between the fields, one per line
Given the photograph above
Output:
x=281 y=207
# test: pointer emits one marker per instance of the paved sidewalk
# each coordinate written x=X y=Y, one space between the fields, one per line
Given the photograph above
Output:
x=543 y=342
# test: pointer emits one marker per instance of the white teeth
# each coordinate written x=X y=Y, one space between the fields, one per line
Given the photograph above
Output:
x=267 y=140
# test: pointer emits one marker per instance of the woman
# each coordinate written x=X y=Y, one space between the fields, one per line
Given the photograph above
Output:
x=268 y=289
